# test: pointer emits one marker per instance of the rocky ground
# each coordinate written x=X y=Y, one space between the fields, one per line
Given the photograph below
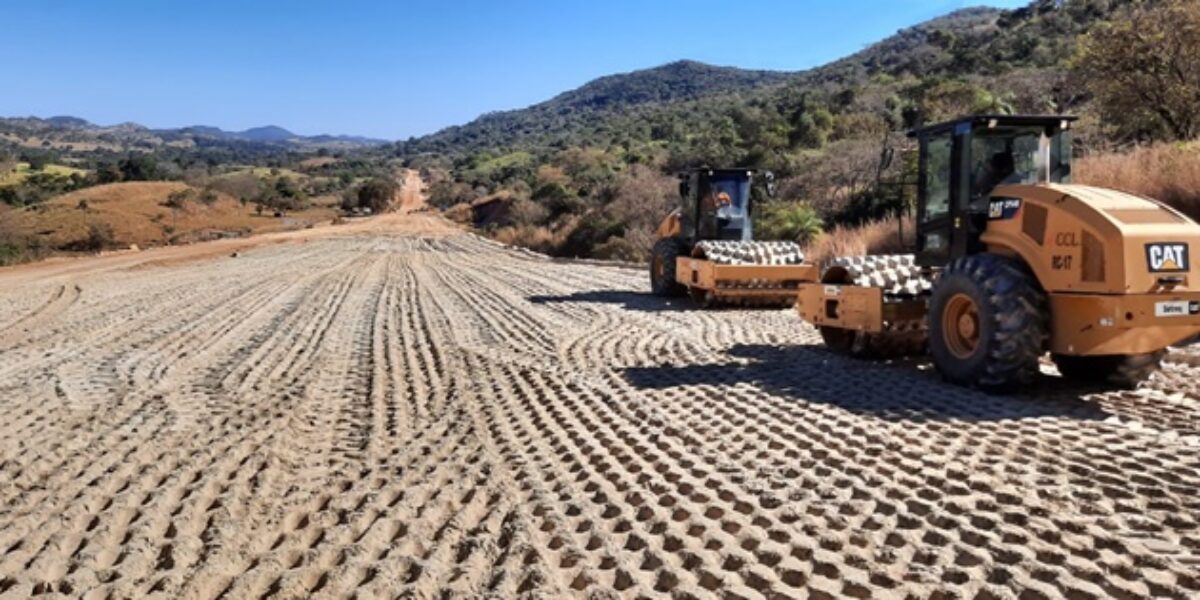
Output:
x=416 y=412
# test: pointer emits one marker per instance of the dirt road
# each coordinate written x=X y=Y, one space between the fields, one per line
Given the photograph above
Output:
x=401 y=410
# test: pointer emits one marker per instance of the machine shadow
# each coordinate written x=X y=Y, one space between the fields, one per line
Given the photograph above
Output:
x=628 y=300
x=907 y=390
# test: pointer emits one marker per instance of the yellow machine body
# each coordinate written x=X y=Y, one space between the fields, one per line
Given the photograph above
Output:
x=773 y=284
x=1117 y=268
x=855 y=307
x=706 y=248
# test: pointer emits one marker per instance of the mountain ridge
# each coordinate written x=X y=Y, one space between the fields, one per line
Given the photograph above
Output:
x=266 y=134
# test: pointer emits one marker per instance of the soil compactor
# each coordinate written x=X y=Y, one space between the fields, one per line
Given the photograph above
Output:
x=1013 y=261
x=706 y=247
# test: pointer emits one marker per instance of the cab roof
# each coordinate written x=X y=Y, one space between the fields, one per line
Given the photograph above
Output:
x=1005 y=120
x=720 y=170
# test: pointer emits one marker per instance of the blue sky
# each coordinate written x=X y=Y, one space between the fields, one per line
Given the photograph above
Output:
x=393 y=69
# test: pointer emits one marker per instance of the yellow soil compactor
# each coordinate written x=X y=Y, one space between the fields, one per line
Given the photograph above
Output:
x=706 y=247
x=1012 y=261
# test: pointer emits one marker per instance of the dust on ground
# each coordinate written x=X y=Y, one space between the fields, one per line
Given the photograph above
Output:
x=395 y=408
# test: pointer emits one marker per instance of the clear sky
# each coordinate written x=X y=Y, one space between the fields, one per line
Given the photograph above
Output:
x=392 y=69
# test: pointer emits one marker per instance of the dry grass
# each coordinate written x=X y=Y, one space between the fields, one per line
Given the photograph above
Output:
x=876 y=237
x=317 y=162
x=137 y=215
x=1167 y=172
x=539 y=239
x=459 y=213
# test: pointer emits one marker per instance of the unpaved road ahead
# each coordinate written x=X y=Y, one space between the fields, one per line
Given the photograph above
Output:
x=414 y=412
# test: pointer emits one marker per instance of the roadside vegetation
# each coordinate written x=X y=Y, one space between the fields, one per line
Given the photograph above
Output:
x=57 y=201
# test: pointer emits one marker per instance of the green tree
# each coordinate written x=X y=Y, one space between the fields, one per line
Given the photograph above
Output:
x=377 y=193
x=282 y=196
x=107 y=173
x=37 y=160
x=1145 y=70
x=785 y=221
x=138 y=167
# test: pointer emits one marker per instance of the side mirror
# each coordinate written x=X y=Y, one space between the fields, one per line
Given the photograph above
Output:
x=770 y=178
x=683 y=188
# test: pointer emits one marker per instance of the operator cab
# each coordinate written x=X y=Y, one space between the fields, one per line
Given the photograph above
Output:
x=963 y=161
x=716 y=204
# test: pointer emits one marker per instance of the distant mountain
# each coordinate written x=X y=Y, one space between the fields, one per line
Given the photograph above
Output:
x=67 y=132
x=74 y=122
x=269 y=133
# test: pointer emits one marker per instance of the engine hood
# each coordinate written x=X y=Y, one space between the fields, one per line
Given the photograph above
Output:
x=1088 y=239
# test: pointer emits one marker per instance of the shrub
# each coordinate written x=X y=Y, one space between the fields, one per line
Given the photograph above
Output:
x=527 y=212
x=446 y=194
x=16 y=247
x=460 y=213
x=640 y=198
x=594 y=229
x=99 y=236
x=178 y=199
x=622 y=249
x=539 y=239
x=376 y=194
x=782 y=221
x=283 y=196
x=243 y=186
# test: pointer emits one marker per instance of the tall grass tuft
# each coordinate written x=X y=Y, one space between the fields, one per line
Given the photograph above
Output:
x=1166 y=172
x=875 y=237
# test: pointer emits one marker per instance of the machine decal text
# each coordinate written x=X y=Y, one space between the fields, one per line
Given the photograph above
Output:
x=1167 y=257
x=1173 y=308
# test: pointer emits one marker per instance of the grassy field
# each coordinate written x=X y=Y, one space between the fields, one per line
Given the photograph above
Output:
x=22 y=171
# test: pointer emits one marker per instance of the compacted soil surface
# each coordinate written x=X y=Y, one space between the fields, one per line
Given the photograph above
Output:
x=400 y=409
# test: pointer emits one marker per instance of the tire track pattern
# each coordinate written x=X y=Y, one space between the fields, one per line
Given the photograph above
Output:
x=410 y=415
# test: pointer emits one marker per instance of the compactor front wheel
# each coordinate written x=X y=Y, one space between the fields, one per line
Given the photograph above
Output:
x=987 y=323
x=662 y=268
x=1122 y=370
x=894 y=343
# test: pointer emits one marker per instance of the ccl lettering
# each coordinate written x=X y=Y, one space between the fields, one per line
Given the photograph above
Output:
x=1065 y=239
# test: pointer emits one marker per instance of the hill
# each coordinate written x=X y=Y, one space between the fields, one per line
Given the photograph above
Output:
x=565 y=164
x=1006 y=51
x=579 y=115
x=595 y=103
x=65 y=133
x=141 y=213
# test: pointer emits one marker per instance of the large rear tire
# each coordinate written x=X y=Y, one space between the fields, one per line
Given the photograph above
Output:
x=987 y=323
x=662 y=268
x=1122 y=370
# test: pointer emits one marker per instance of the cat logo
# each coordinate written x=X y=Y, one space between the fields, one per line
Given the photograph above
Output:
x=1167 y=257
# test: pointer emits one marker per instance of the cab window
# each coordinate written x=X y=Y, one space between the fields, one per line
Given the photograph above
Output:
x=937 y=176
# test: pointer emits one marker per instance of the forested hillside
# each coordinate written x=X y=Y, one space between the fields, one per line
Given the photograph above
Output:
x=587 y=173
